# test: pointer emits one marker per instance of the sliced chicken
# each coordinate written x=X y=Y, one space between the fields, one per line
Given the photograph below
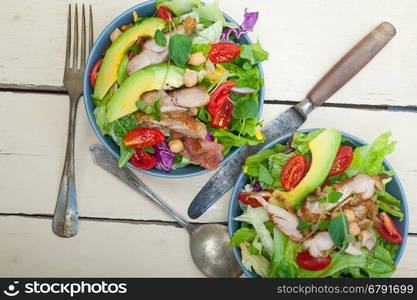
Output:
x=201 y=151
x=361 y=184
x=354 y=248
x=146 y=58
x=153 y=53
x=196 y=96
x=318 y=243
x=166 y=103
x=283 y=220
x=181 y=122
x=311 y=210
x=368 y=239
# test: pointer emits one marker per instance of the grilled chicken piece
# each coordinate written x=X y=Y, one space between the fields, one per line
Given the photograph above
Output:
x=354 y=248
x=311 y=210
x=318 y=243
x=196 y=96
x=166 y=102
x=146 y=58
x=181 y=122
x=361 y=184
x=201 y=151
x=367 y=239
x=153 y=53
x=283 y=220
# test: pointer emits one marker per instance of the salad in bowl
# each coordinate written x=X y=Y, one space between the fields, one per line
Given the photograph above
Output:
x=319 y=204
x=178 y=87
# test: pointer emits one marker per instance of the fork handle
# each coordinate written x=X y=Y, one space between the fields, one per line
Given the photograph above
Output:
x=65 y=222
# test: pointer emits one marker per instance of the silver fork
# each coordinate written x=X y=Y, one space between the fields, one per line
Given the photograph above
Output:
x=65 y=222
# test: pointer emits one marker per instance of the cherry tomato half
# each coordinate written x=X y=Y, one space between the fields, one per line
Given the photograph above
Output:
x=293 y=172
x=94 y=72
x=164 y=13
x=219 y=96
x=223 y=116
x=142 y=160
x=221 y=53
x=245 y=197
x=388 y=230
x=342 y=161
x=143 y=137
x=308 y=262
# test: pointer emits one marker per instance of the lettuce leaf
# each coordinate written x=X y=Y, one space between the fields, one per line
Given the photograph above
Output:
x=261 y=230
x=179 y=7
x=229 y=139
x=254 y=53
x=210 y=35
x=241 y=235
x=257 y=262
x=368 y=159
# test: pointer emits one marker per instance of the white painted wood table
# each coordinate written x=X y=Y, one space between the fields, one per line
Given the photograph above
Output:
x=121 y=233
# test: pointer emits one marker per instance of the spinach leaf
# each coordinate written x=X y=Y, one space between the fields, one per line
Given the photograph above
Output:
x=339 y=230
x=304 y=225
x=160 y=38
x=332 y=197
x=180 y=47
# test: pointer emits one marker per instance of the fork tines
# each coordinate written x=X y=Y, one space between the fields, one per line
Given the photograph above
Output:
x=78 y=52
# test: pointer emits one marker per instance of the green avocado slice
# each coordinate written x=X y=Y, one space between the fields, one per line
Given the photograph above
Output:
x=151 y=78
x=108 y=73
x=323 y=150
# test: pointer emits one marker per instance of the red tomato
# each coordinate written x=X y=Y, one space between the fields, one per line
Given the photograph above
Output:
x=388 y=230
x=143 y=137
x=223 y=52
x=342 y=161
x=223 y=116
x=164 y=13
x=142 y=160
x=293 y=172
x=245 y=197
x=308 y=262
x=94 y=72
x=219 y=96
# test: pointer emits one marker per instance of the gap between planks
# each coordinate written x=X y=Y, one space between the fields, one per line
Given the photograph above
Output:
x=109 y=220
x=119 y=220
x=60 y=90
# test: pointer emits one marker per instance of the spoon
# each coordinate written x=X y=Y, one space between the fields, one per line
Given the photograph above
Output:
x=209 y=243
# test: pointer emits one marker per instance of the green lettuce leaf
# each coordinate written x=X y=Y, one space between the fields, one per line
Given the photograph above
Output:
x=210 y=35
x=229 y=139
x=368 y=159
x=254 y=53
x=179 y=7
x=241 y=235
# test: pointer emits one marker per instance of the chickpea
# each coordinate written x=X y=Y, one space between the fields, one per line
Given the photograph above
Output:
x=354 y=228
x=349 y=214
x=176 y=146
x=197 y=59
x=190 y=78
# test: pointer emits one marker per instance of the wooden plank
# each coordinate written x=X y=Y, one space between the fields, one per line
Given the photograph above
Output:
x=132 y=251
x=33 y=131
x=305 y=38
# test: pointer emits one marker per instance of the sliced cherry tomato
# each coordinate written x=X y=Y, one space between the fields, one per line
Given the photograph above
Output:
x=223 y=116
x=94 y=72
x=143 y=137
x=308 y=262
x=221 y=53
x=142 y=159
x=164 y=13
x=293 y=172
x=219 y=96
x=246 y=197
x=388 y=230
x=342 y=161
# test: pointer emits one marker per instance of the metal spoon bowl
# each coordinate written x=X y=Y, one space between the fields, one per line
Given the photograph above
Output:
x=209 y=243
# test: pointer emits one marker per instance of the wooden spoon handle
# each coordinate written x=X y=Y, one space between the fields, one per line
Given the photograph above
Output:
x=351 y=63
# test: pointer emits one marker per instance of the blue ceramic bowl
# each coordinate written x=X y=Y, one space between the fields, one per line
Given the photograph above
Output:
x=143 y=9
x=394 y=187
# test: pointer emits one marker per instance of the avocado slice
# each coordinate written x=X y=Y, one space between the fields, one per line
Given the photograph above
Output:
x=150 y=78
x=323 y=150
x=107 y=75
